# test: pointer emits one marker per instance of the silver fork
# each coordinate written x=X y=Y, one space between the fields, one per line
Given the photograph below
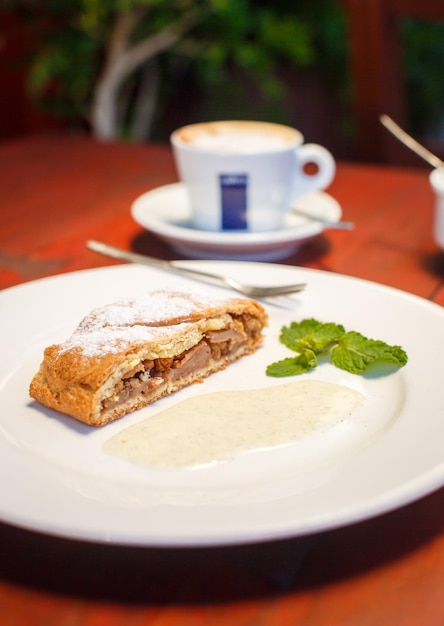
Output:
x=251 y=291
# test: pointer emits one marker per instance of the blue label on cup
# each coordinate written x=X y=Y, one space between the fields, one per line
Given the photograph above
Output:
x=233 y=188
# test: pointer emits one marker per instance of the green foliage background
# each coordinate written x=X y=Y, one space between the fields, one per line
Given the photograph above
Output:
x=230 y=61
x=424 y=69
x=235 y=46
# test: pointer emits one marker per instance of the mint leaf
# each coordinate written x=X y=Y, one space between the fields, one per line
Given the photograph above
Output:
x=349 y=351
x=310 y=334
x=355 y=353
x=293 y=366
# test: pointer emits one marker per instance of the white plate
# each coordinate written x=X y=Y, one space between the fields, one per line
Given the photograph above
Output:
x=57 y=479
x=165 y=211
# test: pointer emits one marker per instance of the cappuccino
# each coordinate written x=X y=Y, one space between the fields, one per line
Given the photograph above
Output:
x=237 y=137
x=244 y=175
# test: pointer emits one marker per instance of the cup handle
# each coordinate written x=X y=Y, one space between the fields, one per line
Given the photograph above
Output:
x=326 y=168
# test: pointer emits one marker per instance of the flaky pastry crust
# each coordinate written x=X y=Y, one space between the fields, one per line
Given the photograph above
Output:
x=126 y=355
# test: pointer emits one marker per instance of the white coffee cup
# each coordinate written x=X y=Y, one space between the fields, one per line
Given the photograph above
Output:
x=437 y=182
x=245 y=175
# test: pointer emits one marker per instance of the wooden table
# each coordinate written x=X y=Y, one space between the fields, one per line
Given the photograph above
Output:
x=58 y=191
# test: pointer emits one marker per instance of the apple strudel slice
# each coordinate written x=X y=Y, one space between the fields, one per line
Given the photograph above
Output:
x=126 y=355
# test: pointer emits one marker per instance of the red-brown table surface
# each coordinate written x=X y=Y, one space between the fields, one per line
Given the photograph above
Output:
x=56 y=192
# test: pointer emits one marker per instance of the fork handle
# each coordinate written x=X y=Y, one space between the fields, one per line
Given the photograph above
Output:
x=134 y=257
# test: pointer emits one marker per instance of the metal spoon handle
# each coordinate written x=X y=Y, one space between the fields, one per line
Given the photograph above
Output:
x=410 y=142
x=339 y=225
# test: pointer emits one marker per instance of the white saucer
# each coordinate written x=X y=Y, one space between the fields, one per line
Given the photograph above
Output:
x=165 y=211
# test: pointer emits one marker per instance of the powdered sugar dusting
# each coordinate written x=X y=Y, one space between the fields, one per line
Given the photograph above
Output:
x=151 y=309
x=96 y=341
x=108 y=329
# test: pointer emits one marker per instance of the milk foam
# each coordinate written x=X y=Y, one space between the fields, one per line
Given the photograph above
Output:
x=239 y=141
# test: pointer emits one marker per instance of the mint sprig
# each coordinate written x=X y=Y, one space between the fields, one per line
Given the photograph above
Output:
x=349 y=351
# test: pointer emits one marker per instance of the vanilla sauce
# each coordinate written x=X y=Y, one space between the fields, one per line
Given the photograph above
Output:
x=216 y=427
